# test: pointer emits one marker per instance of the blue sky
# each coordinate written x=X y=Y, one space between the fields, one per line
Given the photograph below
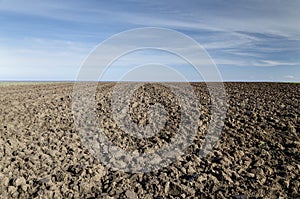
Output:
x=248 y=40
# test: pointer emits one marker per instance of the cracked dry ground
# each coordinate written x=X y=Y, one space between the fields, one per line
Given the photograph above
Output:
x=257 y=155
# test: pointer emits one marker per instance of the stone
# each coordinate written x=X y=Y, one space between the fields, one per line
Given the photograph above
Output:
x=130 y=194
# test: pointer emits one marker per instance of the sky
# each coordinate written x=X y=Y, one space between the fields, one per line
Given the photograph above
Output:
x=49 y=40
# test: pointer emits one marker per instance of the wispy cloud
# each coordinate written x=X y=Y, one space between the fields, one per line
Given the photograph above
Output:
x=289 y=76
x=275 y=63
x=244 y=34
x=38 y=59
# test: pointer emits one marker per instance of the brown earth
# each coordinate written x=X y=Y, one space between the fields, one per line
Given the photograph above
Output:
x=257 y=155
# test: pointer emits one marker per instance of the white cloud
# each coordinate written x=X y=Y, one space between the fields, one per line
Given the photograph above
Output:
x=230 y=22
x=43 y=53
x=274 y=63
x=41 y=59
x=244 y=54
x=289 y=76
x=279 y=18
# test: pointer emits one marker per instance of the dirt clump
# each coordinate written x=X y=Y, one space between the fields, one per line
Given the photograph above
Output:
x=256 y=156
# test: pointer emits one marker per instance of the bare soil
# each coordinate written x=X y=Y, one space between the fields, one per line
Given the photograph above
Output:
x=257 y=155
